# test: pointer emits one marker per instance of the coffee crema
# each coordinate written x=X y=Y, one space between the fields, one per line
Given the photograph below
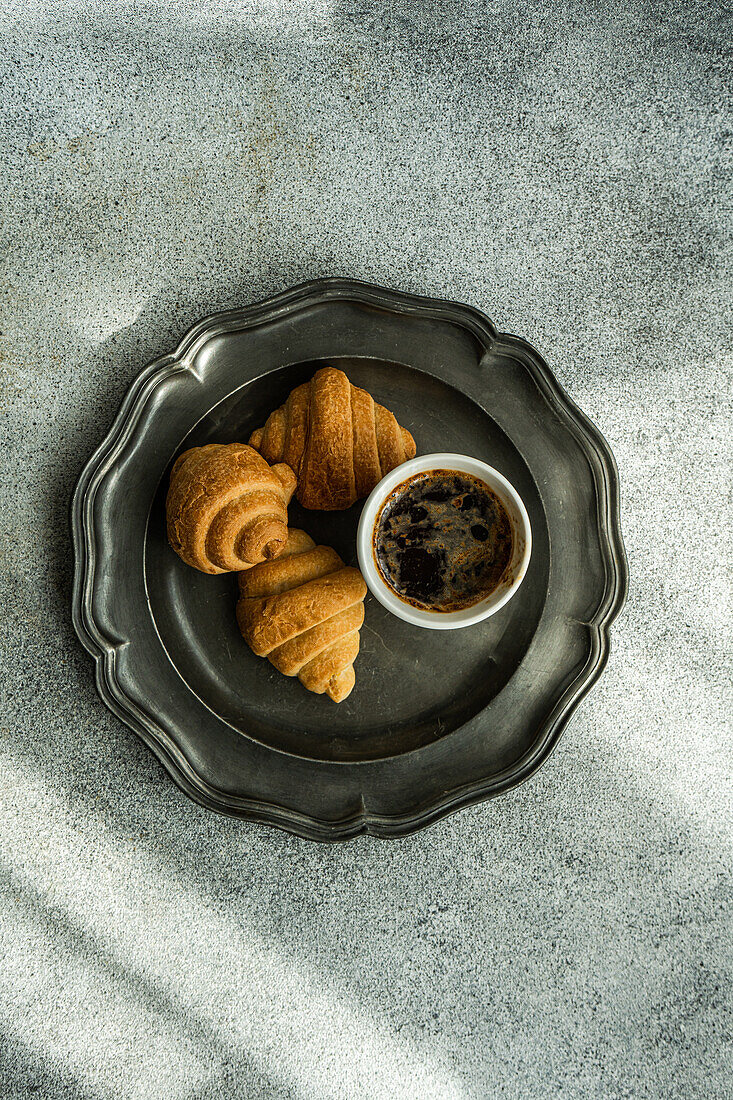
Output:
x=442 y=540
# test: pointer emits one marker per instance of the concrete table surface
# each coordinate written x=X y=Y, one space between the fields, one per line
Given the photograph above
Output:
x=562 y=167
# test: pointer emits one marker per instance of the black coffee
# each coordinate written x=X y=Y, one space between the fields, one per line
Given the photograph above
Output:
x=443 y=540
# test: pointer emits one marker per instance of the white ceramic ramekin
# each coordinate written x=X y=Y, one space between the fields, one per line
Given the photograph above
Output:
x=512 y=576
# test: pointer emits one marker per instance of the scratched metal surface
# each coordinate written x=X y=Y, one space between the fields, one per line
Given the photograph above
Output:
x=566 y=175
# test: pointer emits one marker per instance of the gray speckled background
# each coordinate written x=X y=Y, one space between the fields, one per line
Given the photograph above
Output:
x=564 y=168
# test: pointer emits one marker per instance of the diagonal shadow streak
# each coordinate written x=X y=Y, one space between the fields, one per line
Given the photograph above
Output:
x=24 y=1075
x=234 y=1063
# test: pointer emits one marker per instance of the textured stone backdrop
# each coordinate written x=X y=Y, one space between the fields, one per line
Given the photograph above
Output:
x=564 y=167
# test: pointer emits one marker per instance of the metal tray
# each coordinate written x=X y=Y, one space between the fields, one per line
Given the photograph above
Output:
x=438 y=719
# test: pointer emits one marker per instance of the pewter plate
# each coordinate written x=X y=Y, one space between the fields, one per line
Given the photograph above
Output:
x=437 y=719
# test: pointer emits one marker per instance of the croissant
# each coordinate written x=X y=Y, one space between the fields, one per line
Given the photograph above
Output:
x=226 y=508
x=337 y=439
x=303 y=611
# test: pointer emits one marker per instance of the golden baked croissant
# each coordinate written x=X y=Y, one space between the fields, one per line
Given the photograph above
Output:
x=226 y=508
x=337 y=439
x=303 y=611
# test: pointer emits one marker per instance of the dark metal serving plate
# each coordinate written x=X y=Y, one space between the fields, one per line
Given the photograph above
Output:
x=438 y=719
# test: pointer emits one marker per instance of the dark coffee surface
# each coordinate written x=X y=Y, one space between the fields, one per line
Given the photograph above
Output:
x=443 y=540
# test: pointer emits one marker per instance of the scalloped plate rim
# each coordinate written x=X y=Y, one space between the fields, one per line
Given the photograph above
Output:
x=103 y=648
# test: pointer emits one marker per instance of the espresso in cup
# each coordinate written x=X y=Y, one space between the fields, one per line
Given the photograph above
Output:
x=442 y=541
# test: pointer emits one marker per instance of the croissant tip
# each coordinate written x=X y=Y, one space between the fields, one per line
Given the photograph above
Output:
x=272 y=549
